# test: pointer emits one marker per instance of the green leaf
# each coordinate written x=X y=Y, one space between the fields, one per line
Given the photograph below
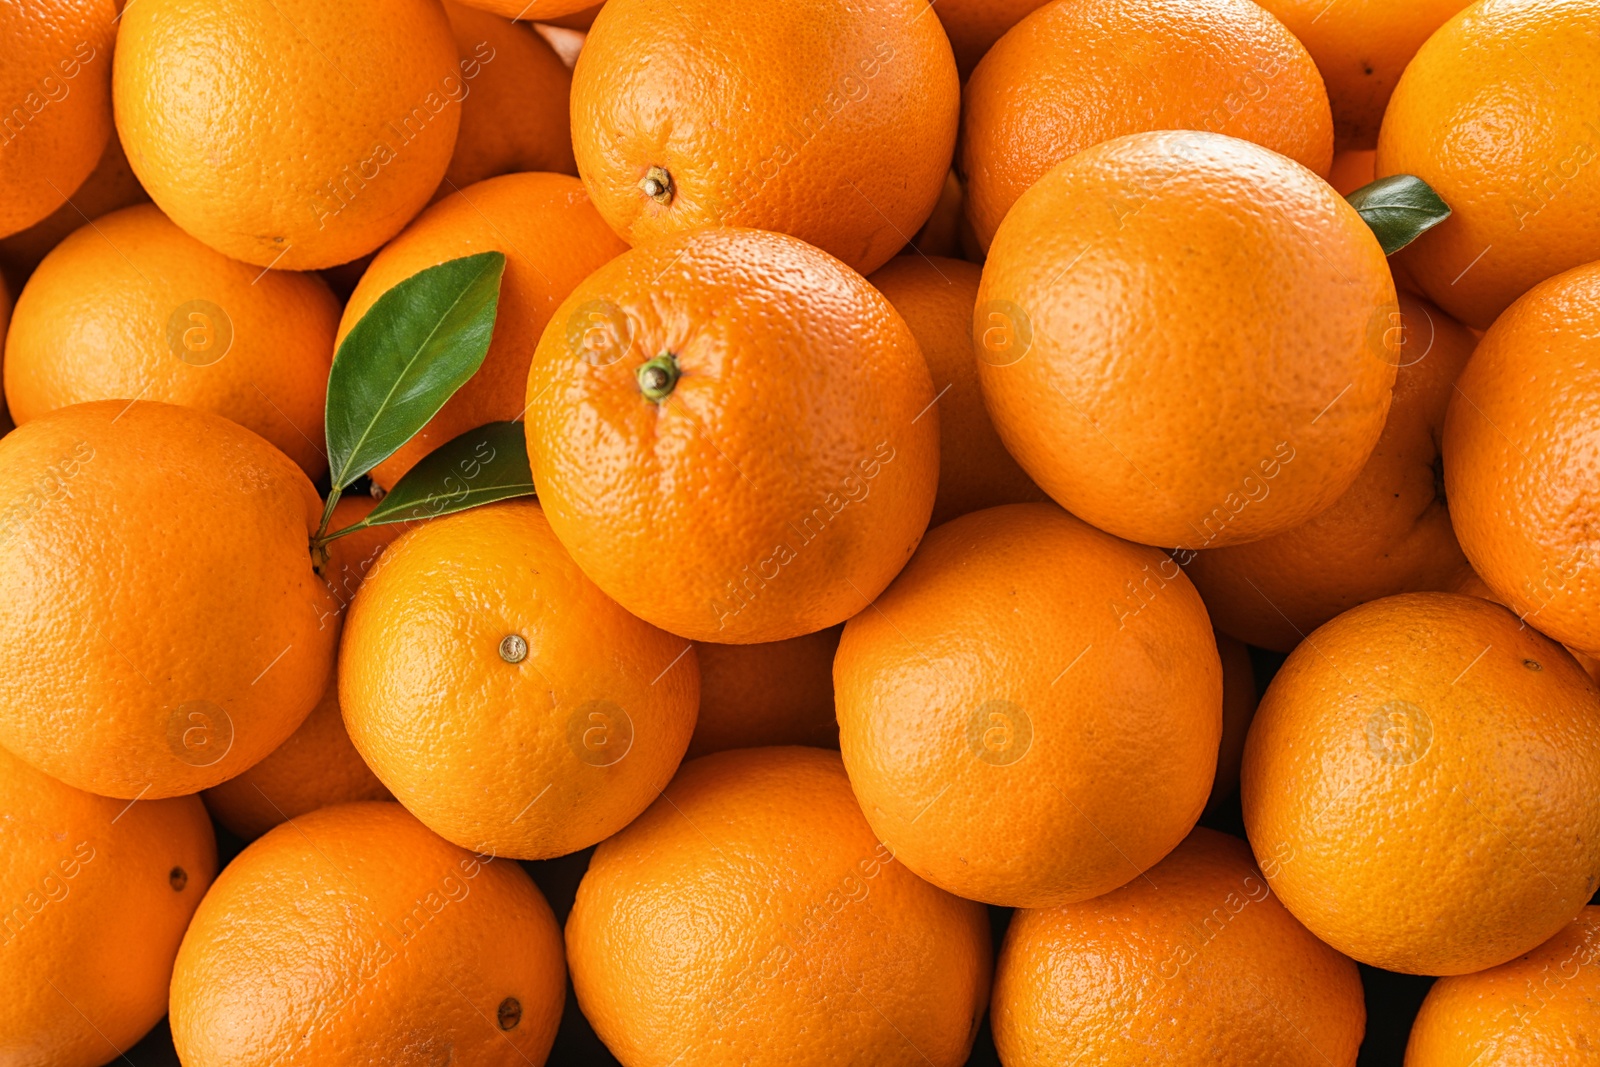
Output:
x=410 y=352
x=479 y=467
x=1399 y=209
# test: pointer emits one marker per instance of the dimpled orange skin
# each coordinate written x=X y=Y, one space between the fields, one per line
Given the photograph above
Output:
x=1524 y=207
x=1030 y=714
x=111 y=185
x=552 y=239
x=1239 y=699
x=534 y=758
x=786 y=478
x=515 y=115
x=1200 y=966
x=56 y=84
x=1360 y=47
x=1541 y=1008
x=356 y=935
x=97 y=895
x=531 y=10
x=161 y=603
x=1078 y=72
x=317 y=766
x=1162 y=396
x=936 y=297
x=1389 y=533
x=750 y=917
x=1422 y=784
x=115 y=312
x=835 y=123
x=296 y=180
x=773 y=694
x=1521 y=448
x=973 y=26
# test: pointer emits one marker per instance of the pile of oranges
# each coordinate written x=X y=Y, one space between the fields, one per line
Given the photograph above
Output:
x=752 y=533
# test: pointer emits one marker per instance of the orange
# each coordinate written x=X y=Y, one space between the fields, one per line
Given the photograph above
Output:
x=318 y=766
x=1078 y=72
x=533 y=10
x=97 y=893
x=56 y=86
x=1352 y=169
x=1195 y=964
x=552 y=239
x=1542 y=1007
x=936 y=297
x=111 y=185
x=734 y=435
x=1361 y=46
x=975 y=25
x=941 y=234
x=1520 y=446
x=514 y=117
x=834 y=123
x=6 y=425
x=162 y=622
x=1389 y=533
x=503 y=699
x=1421 y=784
x=298 y=178
x=1524 y=207
x=131 y=307
x=1030 y=713
x=773 y=694
x=1226 y=415
x=750 y=917
x=355 y=935
x=1239 y=699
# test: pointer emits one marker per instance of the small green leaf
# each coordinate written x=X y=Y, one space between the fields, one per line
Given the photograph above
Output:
x=1399 y=208
x=410 y=352
x=479 y=467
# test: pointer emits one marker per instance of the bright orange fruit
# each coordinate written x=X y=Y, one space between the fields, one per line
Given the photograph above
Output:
x=780 y=693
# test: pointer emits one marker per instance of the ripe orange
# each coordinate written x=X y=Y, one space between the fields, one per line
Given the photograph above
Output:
x=1543 y=1007
x=503 y=699
x=750 y=917
x=1422 y=784
x=355 y=935
x=298 y=178
x=1225 y=417
x=162 y=622
x=1195 y=964
x=975 y=25
x=834 y=123
x=1520 y=445
x=1361 y=46
x=552 y=239
x=774 y=694
x=514 y=117
x=1239 y=698
x=317 y=766
x=734 y=435
x=941 y=234
x=1078 y=72
x=111 y=185
x=532 y=10
x=6 y=425
x=56 y=84
x=1030 y=713
x=936 y=297
x=132 y=307
x=1389 y=533
x=1352 y=169
x=1524 y=207
x=96 y=893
